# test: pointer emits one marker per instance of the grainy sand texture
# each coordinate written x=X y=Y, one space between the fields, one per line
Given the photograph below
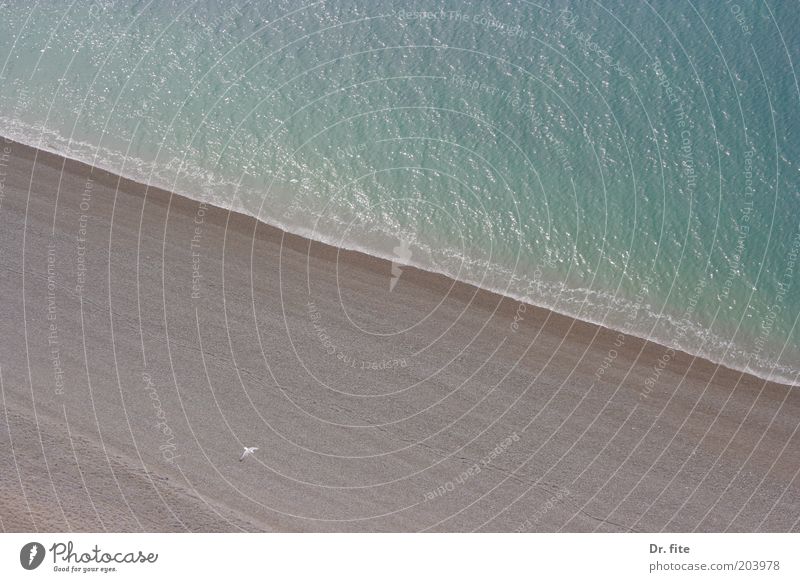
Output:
x=145 y=339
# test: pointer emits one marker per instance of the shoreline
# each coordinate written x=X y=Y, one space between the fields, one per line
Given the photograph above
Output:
x=772 y=378
x=265 y=337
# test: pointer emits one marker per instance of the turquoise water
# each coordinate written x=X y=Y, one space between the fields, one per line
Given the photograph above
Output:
x=631 y=164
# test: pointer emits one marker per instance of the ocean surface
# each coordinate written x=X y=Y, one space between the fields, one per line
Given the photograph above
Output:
x=634 y=164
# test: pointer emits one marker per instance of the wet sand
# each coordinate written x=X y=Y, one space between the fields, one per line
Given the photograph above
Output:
x=147 y=338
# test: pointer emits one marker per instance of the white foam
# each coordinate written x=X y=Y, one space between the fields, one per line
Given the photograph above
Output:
x=556 y=297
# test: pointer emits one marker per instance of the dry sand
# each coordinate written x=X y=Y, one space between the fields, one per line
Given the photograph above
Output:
x=127 y=395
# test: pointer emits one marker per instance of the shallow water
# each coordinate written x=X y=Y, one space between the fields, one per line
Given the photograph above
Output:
x=634 y=165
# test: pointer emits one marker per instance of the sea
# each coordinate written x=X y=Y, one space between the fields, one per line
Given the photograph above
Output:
x=632 y=164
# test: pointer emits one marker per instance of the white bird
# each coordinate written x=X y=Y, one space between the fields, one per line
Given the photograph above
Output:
x=248 y=451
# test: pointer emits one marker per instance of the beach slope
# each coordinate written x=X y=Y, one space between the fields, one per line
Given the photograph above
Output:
x=147 y=338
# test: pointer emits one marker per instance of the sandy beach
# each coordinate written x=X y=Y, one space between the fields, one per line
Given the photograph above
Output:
x=146 y=338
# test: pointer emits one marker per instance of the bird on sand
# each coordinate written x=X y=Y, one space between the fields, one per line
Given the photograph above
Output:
x=247 y=452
